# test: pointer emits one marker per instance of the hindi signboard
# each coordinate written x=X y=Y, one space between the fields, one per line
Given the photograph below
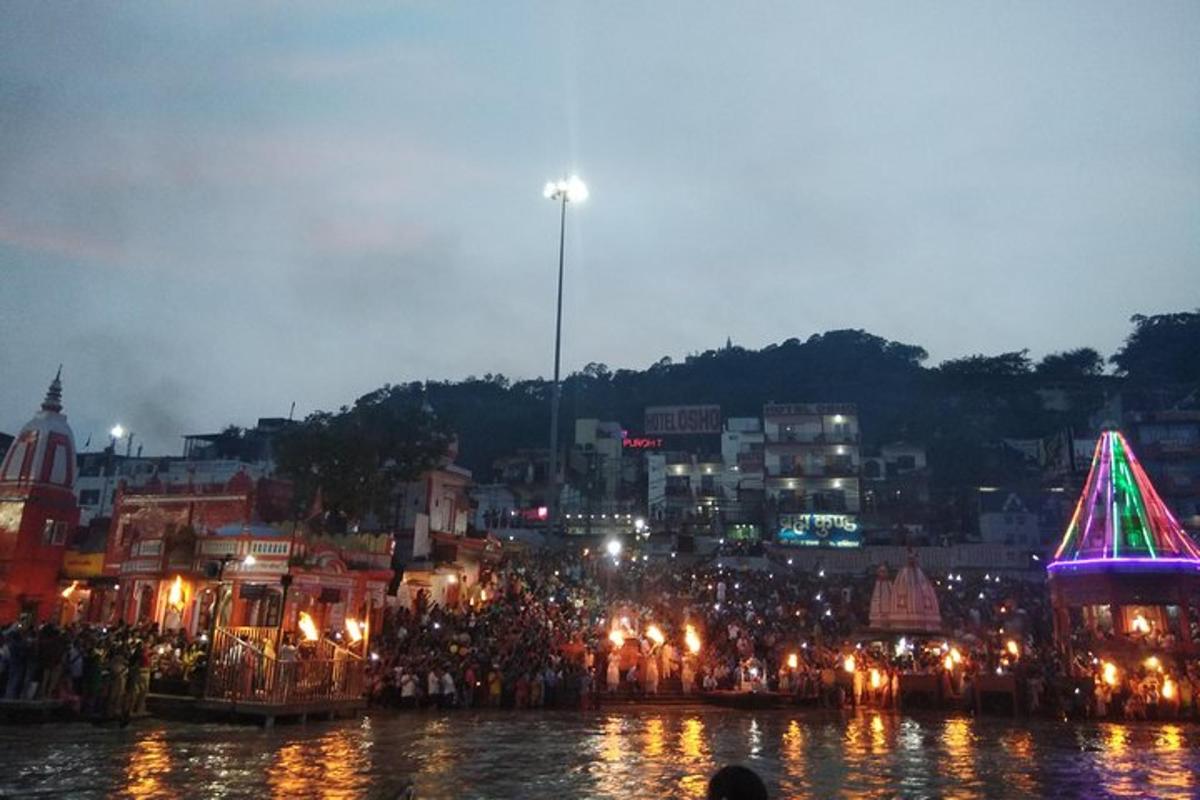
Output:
x=682 y=420
x=819 y=530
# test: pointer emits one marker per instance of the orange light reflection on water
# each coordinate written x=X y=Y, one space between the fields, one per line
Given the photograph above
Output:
x=149 y=763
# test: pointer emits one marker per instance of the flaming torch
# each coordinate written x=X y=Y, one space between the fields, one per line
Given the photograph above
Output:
x=308 y=627
x=692 y=640
x=354 y=629
x=849 y=664
x=175 y=594
x=655 y=634
x=617 y=638
x=1109 y=673
x=793 y=661
x=66 y=593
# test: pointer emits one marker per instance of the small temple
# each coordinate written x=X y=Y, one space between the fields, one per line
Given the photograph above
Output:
x=906 y=605
x=1125 y=567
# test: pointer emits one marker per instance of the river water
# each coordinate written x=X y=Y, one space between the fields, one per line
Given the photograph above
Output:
x=640 y=753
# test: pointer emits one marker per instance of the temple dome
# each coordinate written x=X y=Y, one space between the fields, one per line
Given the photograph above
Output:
x=881 y=600
x=43 y=452
x=914 y=602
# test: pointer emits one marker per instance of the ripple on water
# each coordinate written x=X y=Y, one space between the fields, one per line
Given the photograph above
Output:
x=667 y=752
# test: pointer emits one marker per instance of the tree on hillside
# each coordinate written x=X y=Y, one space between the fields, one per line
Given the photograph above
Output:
x=359 y=456
x=1162 y=349
x=981 y=367
x=1078 y=364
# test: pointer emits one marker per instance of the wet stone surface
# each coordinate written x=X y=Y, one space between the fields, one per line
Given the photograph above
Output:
x=667 y=752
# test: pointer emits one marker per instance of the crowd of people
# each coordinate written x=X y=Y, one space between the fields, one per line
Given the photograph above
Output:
x=100 y=671
x=570 y=629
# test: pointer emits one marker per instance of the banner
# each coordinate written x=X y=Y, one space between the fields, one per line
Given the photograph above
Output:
x=665 y=420
x=819 y=530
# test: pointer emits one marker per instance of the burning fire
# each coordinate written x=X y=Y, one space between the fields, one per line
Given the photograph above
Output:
x=354 y=629
x=308 y=627
x=616 y=637
x=655 y=634
x=67 y=591
x=1140 y=624
x=793 y=661
x=175 y=595
x=849 y=664
x=876 y=680
x=1153 y=663
x=1012 y=648
x=955 y=656
x=692 y=639
x=1109 y=673
x=1168 y=689
x=948 y=663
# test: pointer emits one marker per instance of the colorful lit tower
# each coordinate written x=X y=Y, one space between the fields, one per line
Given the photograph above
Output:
x=1125 y=564
x=38 y=512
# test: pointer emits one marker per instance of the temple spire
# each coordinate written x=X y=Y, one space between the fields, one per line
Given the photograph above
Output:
x=53 y=401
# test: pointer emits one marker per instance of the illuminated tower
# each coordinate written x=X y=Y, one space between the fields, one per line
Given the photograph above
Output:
x=1125 y=566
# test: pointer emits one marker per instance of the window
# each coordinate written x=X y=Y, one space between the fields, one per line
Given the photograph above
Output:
x=89 y=497
x=54 y=532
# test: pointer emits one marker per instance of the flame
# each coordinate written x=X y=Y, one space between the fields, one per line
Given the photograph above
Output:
x=1012 y=648
x=849 y=664
x=692 y=639
x=1168 y=689
x=67 y=591
x=354 y=629
x=955 y=656
x=793 y=661
x=1153 y=663
x=1140 y=624
x=655 y=634
x=175 y=595
x=948 y=663
x=308 y=627
x=616 y=637
x=876 y=680
x=483 y=595
x=1109 y=673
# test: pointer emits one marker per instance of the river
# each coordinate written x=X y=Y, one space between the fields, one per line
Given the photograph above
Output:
x=639 y=753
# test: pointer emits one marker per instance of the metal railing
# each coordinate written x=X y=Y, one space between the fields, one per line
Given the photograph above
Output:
x=241 y=669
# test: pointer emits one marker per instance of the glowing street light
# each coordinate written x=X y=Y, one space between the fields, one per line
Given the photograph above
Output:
x=613 y=548
x=249 y=560
x=569 y=190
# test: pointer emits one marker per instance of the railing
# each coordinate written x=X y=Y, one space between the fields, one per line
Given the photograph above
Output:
x=242 y=671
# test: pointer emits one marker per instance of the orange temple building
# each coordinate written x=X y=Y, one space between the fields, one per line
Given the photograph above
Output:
x=177 y=555
x=38 y=512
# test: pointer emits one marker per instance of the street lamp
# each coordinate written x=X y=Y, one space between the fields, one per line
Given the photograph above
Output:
x=569 y=190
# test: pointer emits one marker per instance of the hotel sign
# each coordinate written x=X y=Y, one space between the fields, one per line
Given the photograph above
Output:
x=682 y=420
x=819 y=530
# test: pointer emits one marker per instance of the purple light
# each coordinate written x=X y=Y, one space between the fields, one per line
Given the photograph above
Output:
x=1116 y=564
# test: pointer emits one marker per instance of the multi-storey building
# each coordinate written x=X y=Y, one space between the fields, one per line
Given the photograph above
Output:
x=811 y=457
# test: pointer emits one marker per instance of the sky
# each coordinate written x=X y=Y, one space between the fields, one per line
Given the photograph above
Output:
x=210 y=211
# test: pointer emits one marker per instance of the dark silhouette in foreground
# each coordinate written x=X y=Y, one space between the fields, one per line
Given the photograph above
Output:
x=736 y=782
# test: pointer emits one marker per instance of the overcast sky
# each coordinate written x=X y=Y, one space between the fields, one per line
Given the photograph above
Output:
x=208 y=212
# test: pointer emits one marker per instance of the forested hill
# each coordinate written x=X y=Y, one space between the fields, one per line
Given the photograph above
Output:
x=956 y=408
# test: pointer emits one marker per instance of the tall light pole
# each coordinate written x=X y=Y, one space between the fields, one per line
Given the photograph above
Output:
x=569 y=190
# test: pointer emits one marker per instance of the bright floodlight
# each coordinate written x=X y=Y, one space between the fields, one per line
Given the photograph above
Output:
x=572 y=188
x=614 y=548
x=117 y=432
x=249 y=560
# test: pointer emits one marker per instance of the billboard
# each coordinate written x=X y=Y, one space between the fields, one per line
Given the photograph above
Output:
x=819 y=530
x=667 y=420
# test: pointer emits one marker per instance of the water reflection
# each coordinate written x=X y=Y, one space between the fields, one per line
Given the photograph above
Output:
x=661 y=753
x=959 y=744
x=149 y=765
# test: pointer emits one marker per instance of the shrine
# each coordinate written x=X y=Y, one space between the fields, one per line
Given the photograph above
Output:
x=38 y=512
x=1125 y=571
